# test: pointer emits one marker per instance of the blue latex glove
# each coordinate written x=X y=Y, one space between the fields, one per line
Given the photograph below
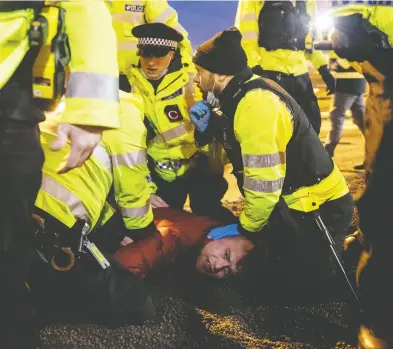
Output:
x=223 y=232
x=200 y=115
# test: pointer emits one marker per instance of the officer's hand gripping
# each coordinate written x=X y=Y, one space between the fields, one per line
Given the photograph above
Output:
x=83 y=141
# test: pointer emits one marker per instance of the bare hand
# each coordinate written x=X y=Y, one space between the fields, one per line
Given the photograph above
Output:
x=156 y=201
x=83 y=141
x=126 y=241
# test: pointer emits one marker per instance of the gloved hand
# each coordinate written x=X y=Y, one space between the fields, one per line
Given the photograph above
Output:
x=224 y=232
x=328 y=78
x=200 y=115
x=257 y=70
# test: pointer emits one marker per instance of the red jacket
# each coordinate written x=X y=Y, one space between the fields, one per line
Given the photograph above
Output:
x=178 y=230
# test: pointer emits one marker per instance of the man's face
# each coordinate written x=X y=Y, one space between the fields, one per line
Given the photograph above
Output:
x=153 y=67
x=220 y=258
x=204 y=79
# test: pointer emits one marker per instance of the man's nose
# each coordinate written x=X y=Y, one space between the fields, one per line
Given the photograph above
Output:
x=221 y=265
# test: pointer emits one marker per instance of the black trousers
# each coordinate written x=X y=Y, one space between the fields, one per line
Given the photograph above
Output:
x=112 y=296
x=301 y=90
x=300 y=258
x=205 y=188
x=21 y=159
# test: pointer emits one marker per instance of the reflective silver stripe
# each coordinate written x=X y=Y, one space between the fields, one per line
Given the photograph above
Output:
x=93 y=85
x=252 y=35
x=135 y=212
x=101 y=154
x=249 y=16
x=134 y=18
x=261 y=161
x=165 y=15
x=127 y=45
x=62 y=194
x=180 y=29
x=168 y=135
x=262 y=186
x=130 y=159
x=347 y=75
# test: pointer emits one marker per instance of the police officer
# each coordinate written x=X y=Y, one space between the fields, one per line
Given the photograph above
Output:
x=178 y=168
x=116 y=170
x=364 y=35
x=128 y=14
x=271 y=144
x=20 y=152
x=274 y=38
x=349 y=95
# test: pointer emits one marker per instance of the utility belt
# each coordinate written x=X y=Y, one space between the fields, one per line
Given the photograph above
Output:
x=47 y=36
x=174 y=165
x=62 y=247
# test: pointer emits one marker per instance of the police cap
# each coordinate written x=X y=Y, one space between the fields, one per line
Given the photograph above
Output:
x=156 y=39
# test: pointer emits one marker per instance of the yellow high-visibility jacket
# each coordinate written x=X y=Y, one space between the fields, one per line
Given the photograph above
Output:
x=281 y=60
x=119 y=162
x=173 y=145
x=92 y=89
x=128 y=14
x=266 y=136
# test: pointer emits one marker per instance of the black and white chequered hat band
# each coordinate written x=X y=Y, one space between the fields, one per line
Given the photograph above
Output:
x=157 y=42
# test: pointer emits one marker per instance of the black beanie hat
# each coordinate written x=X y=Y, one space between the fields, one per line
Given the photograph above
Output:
x=222 y=54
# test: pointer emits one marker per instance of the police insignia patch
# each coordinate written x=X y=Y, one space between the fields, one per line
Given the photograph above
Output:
x=173 y=113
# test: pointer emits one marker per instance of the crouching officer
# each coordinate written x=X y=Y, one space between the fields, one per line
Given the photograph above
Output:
x=272 y=146
x=364 y=35
x=71 y=205
x=38 y=43
x=277 y=41
x=177 y=167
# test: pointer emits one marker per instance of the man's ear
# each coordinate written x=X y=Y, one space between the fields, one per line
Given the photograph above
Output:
x=171 y=54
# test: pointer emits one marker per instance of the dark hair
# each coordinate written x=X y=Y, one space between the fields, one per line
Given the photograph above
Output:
x=254 y=261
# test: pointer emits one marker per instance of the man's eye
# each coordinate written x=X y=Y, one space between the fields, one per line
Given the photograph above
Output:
x=209 y=267
x=227 y=256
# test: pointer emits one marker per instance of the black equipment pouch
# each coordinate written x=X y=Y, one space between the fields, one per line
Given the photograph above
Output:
x=49 y=246
x=48 y=36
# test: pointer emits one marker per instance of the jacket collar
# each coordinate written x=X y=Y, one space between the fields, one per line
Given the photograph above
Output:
x=228 y=95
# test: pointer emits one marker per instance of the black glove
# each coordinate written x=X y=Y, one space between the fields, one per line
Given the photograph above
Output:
x=257 y=70
x=328 y=78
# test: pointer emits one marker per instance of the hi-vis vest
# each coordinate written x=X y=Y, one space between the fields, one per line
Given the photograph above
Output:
x=172 y=144
x=283 y=24
x=274 y=150
x=92 y=84
x=283 y=48
x=118 y=165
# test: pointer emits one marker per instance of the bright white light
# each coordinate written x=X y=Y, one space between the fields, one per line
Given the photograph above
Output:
x=324 y=22
x=60 y=108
